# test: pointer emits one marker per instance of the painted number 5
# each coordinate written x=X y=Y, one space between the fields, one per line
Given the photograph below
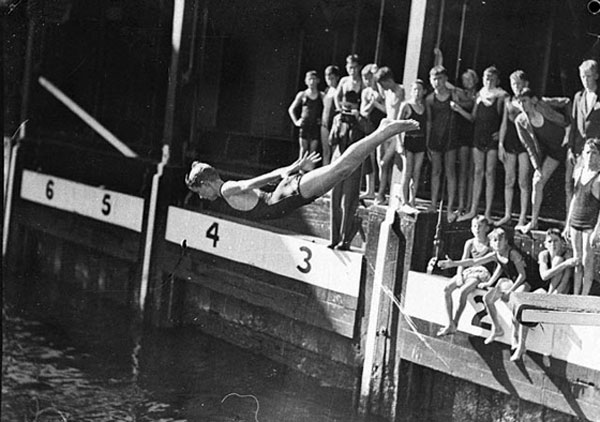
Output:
x=305 y=269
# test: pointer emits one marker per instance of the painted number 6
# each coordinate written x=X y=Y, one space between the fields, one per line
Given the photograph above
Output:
x=49 y=189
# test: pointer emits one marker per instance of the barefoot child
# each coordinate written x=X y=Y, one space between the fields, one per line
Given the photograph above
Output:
x=542 y=132
x=372 y=108
x=583 y=220
x=310 y=101
x=513 y=154
x=393 y=95
x=465 y=98
x=441 y=139
x=555 y=263
x=332 y=78
x=467 y=279
x=509 y=276
x=486 y=116
x=412 y=145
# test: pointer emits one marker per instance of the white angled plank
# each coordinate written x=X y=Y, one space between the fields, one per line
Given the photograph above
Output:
x=287 y=255
x=100 y=204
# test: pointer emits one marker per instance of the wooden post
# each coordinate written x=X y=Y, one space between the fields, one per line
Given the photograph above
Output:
x=379 y=31
x=386 y=260
x=548 y=48
x=178 y=9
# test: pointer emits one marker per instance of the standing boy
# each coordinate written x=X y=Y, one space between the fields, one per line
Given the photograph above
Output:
x=440 y=138
x=393 y=95
x=311 y=103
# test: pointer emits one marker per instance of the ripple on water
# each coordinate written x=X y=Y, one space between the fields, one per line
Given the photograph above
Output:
x=96 y=365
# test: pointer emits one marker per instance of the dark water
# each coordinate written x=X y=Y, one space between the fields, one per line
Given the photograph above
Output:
x=76 y=357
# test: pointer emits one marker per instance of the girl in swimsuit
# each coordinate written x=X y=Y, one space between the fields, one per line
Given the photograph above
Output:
x=465 y=98
x=372 y=108
x=583 y=220
x=486 y=115
x=412 y=145
x=511 y=153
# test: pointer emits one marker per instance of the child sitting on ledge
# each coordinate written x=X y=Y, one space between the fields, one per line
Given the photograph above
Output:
x=468 y=279
x=509 y=276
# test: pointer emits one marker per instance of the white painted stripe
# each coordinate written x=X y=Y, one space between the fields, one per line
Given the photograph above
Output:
x=87 y=118
x=287 y=255
x=560 y=317
x=424 y=299
x=95 y=202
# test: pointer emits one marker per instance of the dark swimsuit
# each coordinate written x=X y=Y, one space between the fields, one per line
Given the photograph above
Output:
x=442 y=137
x=414 y=141
x=512 y=143
x=312 y=109
x=487 y=122
x=509 y=269
x=585 y=207
x=285 y=198
x=464 y=128
x=346 y=128
x=550 y=136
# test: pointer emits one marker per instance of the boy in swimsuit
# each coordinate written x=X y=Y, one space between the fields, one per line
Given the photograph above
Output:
x=332 y=78
x=555 y=263
x=585 y=115
x=310 y=102
x=513 y=154
x=583 y=220
x=486 y=118
x=393 y=94
x=467 y=279
x=295 y=188
x=542 y=132
x=412 y=145
x=441 y=139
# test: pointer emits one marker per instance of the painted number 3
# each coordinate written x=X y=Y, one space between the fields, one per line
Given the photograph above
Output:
x=307 y=267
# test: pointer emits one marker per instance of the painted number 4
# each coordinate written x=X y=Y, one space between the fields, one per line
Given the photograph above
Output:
x=213 y=233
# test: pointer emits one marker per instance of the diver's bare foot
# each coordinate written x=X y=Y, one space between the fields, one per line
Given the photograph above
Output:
x=405 y=125
x=492 y=337
x=444 y=331
x=502 y=221
x=466 y=217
